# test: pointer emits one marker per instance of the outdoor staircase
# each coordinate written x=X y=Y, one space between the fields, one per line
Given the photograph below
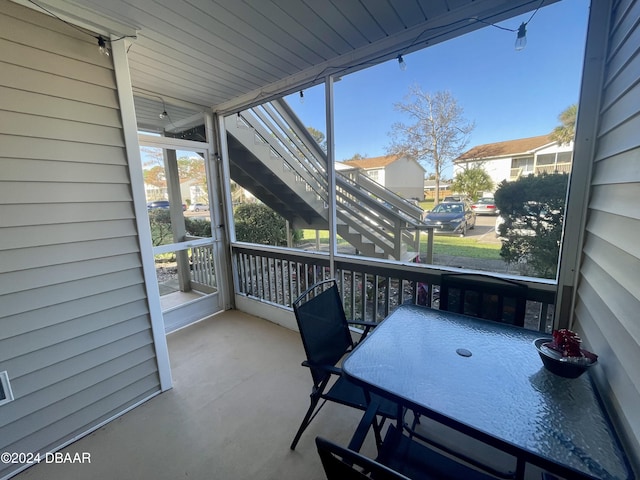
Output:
x=273 y=156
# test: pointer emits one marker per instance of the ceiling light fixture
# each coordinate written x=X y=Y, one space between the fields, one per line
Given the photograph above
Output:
x=521 y=39
x=402 y=63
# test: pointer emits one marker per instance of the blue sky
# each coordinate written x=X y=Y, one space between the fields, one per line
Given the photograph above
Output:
x=509 y=94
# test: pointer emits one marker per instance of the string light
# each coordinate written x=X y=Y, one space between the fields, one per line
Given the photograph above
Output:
x=302 y=96
x=402 y=63
x=102 y=47
x=521 y=38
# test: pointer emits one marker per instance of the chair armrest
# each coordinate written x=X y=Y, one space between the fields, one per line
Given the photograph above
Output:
x=327 y=368
x=368 y=326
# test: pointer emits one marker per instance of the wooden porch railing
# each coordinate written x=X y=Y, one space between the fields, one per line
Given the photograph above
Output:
x=371 y=289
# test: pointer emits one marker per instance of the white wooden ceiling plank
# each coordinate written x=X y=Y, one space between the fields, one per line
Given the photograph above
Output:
x=209 y=27
x=240 y=20
x=332 y=15
x=193 y=77
x=386 y=16
x=361 y=20
x=298 y=27
x=410 y=12
x=316 y=25
x=161 y=55
x=177 y=30
x=155 y=46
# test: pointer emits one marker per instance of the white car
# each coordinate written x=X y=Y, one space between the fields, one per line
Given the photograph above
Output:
x=199 y=207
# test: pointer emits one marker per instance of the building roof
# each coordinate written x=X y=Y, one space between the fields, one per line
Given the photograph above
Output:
x=374 y=162
x=509 y=147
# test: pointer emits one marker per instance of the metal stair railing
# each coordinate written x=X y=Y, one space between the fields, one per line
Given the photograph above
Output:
x=367 y=212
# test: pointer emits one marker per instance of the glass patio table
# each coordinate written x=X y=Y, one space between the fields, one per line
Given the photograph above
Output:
x=486 y=380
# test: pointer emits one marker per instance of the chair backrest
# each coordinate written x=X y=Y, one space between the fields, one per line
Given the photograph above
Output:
x=323 y=326
x=343 y=464
x=484 y=296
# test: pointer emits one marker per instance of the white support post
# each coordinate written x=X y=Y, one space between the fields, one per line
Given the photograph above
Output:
x=581 y=171
x=331 y=172
x=134 y=161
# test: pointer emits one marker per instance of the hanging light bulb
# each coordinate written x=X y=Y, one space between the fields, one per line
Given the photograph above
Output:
x=302 y=96
x=521 y=39
x=102 y=47
x=402 y=63
x=164 y=114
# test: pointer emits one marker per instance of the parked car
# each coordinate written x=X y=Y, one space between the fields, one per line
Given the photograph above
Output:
x=485 y=206
x=158 y=204
x=197 y=207
x=456 y=198
x=453 y=218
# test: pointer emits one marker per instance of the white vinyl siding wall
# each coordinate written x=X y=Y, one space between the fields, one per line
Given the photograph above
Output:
x=608 y=294
x=75 y=334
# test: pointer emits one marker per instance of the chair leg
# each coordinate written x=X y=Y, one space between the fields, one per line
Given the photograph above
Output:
x=306 y=420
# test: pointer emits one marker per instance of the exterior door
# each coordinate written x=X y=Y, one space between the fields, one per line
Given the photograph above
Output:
x=181 y=208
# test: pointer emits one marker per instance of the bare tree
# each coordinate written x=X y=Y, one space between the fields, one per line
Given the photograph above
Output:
x=437 y=134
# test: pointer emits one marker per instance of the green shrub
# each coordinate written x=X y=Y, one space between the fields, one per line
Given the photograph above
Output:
x=257 y=223
x=533 y=212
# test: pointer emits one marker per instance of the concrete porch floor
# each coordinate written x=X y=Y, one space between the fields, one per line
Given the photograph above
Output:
x=239 y=395
x=238 y=398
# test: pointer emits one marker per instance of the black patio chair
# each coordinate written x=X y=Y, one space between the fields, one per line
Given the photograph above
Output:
x=399 y=457
x=326 y=338
x=340 y=463
x=484 y=296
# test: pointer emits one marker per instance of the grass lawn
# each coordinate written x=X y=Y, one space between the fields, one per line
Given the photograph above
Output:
x=462 y=247
x=442 y=245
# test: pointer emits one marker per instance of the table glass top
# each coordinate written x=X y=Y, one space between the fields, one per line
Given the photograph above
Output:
x=502 y=389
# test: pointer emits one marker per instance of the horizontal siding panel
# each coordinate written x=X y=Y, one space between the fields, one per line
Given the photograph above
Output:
x=621 y=168
x=37 y=236
x=612 y=259
x=16 y=53
x=600 y=329
x=609 y=228
x=49 y=34
x=110 y=402
x=622 y=305
x=46 y=336
x=623 y=82
x=30 y=103
x=51 y=275
x=63 y=360
x=68 y=292
x=58 y=411
x=61 y=151
x=623 y=110
x=54 y=315
x=20 y=170
x=617 y=199
x=24 y=125
x=626 y=42
x=612 y=377
x=39 y=192
x=623 y=138
x=58 y=391
x=23 y=215
x=54 y=86
x=37 y=257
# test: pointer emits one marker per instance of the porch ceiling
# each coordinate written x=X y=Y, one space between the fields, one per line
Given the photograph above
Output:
x=229 y=54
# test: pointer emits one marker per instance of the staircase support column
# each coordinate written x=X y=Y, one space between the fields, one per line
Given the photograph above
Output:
x=331 y=171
